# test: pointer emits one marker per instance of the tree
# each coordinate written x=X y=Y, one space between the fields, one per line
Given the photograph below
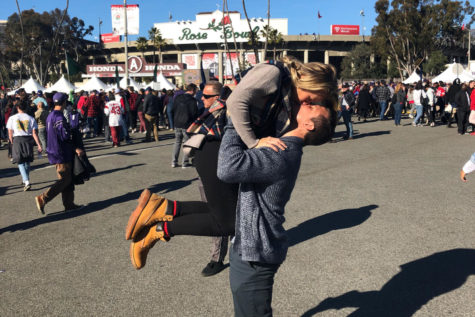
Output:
x=48 y=37
x=253 y=37
x=409 y=30
x=435 y=63
x=273 y=36
x=142 y=45
x=157 y=42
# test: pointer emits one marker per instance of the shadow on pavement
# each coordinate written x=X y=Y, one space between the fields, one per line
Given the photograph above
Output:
x=336 y=220
x=95 y=206
x=403 y=295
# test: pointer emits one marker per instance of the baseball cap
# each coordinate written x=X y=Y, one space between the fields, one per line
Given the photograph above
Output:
x=148 y=89
x=59 y=98
x=40 y=93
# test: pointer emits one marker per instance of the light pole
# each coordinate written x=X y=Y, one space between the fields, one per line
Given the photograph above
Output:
x=126 y=48
x=362 y=22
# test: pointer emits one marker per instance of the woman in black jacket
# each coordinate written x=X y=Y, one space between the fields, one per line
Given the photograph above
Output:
x=364 y=102
x=462 y=100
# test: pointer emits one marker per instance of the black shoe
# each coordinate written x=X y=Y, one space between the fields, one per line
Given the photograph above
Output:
x=74 y=208
x=213 y=268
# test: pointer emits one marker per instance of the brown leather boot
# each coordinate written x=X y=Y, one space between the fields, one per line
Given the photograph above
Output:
x=150 y=210
x=144 y=241
x=40 y=204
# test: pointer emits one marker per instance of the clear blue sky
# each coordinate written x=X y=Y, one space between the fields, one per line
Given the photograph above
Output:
x=301 y=14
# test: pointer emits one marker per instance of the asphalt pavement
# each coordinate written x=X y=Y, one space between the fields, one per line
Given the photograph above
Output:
x=379 y=225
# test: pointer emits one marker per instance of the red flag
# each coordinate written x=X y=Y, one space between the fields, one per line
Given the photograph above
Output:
x=319 y=16
x=463 y=27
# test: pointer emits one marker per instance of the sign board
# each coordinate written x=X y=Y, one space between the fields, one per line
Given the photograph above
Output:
x=213 y=27
x=118 y=19
x=110 y=38
x=338 y=29
x=191 y=61
x=137 y=67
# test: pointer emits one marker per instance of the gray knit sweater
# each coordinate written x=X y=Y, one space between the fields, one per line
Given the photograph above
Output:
x=266 y=179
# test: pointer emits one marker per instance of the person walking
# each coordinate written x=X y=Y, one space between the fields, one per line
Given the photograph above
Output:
x=114 y=110
x=185 y=111
x=462 y=99
x=450 y=98
x=383 y=94
x=92 y=109
x=347 y=102
x=151 y=109
x=23 y=133
x=418 y=95
x=40 y=116
x=364 y=102
x=61 y=149
x=399 y=103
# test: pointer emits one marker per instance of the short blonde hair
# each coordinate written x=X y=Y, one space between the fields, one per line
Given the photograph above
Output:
x=315 y=77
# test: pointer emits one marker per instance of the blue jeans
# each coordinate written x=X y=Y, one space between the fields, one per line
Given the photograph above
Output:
x=24 y=171
x=251 y=285
x=419 y=114
x=180 y=137
x=347 y=120
x=170 y=114
x=383 y=105
x=93 y=124
x=397 y=113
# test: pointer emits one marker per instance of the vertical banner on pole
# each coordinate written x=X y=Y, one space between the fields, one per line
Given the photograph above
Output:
x=118 y=25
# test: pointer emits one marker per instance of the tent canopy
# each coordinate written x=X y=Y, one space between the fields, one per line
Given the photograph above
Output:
x=93 y=84
x=414 y=78
x=32 y=85
x=133 y=83
x=162 y=82
x=62 y=85
x=452 y=72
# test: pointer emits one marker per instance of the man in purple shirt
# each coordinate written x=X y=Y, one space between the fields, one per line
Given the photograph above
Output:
x=60 y=151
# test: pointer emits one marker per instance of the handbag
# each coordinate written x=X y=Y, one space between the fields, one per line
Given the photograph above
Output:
x=471 y=119
x=193 y=143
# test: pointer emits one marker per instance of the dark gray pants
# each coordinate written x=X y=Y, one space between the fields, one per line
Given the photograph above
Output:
x=251 y=284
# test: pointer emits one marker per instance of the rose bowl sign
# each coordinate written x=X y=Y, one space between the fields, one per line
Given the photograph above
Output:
x=338 y=29
x=215 y=27
x=137 y=67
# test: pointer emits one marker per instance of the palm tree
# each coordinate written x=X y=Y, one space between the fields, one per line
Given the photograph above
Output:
x=268 y=25
x=142 y=45
x=274 y=37
x=252 y=36
x=157 y=41
x=22 y=41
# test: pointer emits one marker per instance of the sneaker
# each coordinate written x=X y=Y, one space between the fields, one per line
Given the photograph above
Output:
x=73 y=208
x=186 y=165
x=411 y=116
x=414 y=124
x=27 y=187
x=213 y=268
x=432 y=124
x=174 y=165
x=40 y=204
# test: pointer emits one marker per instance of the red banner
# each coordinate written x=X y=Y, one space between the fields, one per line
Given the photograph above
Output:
x=337 y=29
x=110 y=38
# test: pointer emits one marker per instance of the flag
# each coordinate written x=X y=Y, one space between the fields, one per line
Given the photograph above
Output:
x=74 y=67
x=170 y=16
x=117 y=79
x=319 y=16
x=463 y=27
x=155 y=69
x=202 y=72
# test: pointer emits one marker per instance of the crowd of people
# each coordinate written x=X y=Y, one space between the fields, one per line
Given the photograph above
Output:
x=427 y=103
x=246 y=145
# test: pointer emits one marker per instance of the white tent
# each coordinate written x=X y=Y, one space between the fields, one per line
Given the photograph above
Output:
x=133 y=83
x=62 y=85
x=32 y=85
x=93 y=84
x=161 y=83
x=414 y=78
x=466 y=76
x=452 y=72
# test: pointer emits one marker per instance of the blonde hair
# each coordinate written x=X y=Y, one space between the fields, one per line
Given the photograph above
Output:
x=398 y=87
x=315 y=77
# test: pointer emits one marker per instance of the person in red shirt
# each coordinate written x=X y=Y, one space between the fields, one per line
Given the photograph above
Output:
x=92 y=109
x=133 y=96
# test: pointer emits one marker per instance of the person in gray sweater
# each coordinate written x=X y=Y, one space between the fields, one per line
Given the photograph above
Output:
x=267 y=178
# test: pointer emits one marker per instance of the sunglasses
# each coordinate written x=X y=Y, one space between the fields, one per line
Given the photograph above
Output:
x=209 y=96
